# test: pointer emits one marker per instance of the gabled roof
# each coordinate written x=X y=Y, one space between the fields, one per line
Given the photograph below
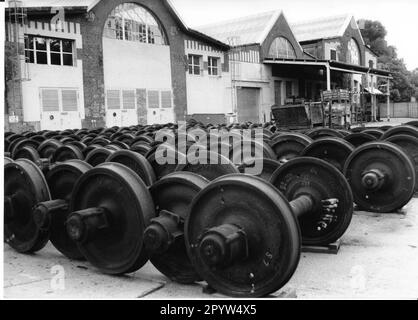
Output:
x=371 y=50
x=87 y=5
x=243 y=31
x=324 y=28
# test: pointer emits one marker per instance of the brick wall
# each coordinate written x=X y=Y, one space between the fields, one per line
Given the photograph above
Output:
x=13 y=91
x=281 y=29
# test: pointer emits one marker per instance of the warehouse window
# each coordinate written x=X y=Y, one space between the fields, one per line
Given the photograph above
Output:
x=113 y=99
x=194 y=64
x=50 y=100
x=132 y=22
x=58 y=99
x=153 y=99
x=213 y=66
x=52 y=51
x=69 y=100
x=281 y=48
x=333 y=54
x=354 y=53
x=128 y=97
x=166 y=99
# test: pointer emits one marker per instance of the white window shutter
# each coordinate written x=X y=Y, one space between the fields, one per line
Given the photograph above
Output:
x=153 y=99
x=128 y=98
x=113 y=99
x=50 y=100
x=69 y=100
x=166 y=99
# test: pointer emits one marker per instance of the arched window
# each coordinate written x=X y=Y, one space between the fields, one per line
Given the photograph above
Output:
x=132 y=22
x=353 y=56
x=282 y=48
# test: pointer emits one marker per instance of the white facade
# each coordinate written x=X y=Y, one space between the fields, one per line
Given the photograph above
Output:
x=58 y=78
x=371 y=58
x=132 y=66
x=208 y=94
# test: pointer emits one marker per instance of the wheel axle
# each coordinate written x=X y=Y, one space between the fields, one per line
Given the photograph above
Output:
x=84 y=224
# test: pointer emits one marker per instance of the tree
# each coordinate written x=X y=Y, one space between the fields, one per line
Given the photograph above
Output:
x=403 y=84
x=414 y=81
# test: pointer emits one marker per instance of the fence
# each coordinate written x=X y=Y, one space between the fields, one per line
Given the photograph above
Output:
x=399 y=110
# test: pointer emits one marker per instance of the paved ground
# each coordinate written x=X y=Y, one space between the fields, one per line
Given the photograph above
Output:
x=378 y=259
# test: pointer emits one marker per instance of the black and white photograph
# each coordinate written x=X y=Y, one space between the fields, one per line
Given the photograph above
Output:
x=227 y=151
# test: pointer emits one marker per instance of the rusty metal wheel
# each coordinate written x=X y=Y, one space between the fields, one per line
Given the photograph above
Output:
x=290 y=145
x=253 y=167
x=404 y=129
x=67 y=152
x=381 y=176
x=51 y=216
x=164 y=238
x=410 y=145
x=213 y=166
x=326 y=215
x=98 y=156
x=360 y=138
x=24 y=187
x=137 y=163
x=330 y=149
x=110 y=208
x=27 y=152
x=242 y=236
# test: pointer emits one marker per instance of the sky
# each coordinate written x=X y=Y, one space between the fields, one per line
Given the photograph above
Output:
x=400 y=17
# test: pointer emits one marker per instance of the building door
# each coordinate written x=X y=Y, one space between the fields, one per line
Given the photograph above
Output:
x=70 y=114
x=154 y=116
x=166 y=110
x=247 y=103
x=121 y=108
x=113 y=112
x=160 y=107
x=128 y=115
x=278 y=93
x=60 y=109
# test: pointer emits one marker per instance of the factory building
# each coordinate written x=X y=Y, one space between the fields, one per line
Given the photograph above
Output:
x=275 y=63
x=92 y=63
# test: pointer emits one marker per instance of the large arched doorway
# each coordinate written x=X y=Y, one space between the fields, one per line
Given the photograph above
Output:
x=137 y=68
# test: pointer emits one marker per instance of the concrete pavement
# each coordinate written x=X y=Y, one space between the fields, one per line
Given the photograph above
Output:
x=378 y=259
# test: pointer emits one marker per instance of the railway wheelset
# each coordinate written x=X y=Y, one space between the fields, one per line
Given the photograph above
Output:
x=380 y=166
x=242 y=234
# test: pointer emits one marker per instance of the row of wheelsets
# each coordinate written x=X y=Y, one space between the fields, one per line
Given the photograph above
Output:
x=103 y=196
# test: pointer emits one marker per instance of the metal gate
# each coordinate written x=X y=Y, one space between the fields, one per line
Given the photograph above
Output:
x=60 y=109
x=160 y=107
x=121 y=108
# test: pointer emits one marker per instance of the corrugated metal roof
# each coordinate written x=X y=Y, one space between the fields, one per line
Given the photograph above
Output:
x=246 y=30
x=324 y=28
x=89 y=4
